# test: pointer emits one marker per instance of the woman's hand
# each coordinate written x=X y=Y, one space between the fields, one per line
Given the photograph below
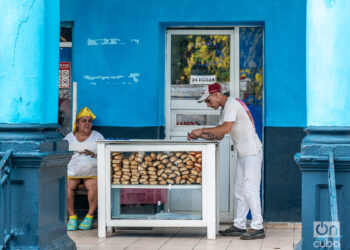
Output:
x=88 y=152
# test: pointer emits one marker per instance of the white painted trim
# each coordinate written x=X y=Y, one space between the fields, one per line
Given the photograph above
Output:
x=167 y=88
x=74 y=102
x=236 y=64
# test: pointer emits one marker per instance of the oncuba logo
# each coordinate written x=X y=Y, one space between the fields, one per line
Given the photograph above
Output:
x=324 y=232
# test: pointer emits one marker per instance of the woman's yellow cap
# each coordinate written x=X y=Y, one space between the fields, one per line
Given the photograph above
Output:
x=83 y=112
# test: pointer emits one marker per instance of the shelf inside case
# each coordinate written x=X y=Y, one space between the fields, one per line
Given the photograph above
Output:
x=192 y=186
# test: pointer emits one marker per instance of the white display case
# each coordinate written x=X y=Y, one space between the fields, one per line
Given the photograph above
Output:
x=120 y=164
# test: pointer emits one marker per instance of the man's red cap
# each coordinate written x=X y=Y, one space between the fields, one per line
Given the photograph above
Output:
x=210 y=89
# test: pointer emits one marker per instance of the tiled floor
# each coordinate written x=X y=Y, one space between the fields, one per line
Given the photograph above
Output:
x=185 y=238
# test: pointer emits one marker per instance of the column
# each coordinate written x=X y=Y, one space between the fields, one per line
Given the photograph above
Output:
x=33 y=156
x=327 y=132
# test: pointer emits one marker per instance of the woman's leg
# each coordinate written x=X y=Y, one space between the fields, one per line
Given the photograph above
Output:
x=71 y=186
x=91 y=186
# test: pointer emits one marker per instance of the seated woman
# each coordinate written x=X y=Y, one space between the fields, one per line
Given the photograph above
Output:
x=82 y=166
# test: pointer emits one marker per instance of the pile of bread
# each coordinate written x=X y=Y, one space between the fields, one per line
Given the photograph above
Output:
x=156 y=168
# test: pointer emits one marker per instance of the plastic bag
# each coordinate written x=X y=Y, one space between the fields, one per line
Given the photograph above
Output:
x=82 y=165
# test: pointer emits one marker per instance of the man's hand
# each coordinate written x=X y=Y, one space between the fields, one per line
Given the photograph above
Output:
x=195 y=134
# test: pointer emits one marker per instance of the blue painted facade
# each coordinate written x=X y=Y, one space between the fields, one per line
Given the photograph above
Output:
x=119 y=49
x=119 y=65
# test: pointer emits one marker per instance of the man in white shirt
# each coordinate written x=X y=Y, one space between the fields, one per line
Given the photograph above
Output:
x=235 y=121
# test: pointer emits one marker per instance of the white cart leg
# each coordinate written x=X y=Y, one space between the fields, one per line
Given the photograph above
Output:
x=211 y=230
x=109 y=230
x=101 y=182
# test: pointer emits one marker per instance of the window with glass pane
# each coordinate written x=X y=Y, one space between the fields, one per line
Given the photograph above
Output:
x=198 y=55
x=197 y=120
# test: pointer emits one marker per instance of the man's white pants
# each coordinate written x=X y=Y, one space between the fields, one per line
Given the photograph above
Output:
x=247 y=191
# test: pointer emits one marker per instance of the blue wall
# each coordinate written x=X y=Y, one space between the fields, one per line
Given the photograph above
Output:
x=119 y=54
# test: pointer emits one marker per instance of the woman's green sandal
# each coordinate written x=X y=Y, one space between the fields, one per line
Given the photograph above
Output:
x=86 y=224
x=72 y=224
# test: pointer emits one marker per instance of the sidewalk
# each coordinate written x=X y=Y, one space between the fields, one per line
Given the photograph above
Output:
x=184 y=239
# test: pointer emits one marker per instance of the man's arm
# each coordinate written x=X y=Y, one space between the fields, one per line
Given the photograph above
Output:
x=216 y=133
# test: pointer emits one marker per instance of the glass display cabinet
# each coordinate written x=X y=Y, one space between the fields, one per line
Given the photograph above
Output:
x=136 y=180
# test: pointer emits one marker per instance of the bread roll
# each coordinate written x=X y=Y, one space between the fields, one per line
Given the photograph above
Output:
x=153 y=182
x=152 y=173
x=172 y=159
x=116 y=153
x=170 y=181
x=163 y=182
x=160 y=171
x=172 y=175
x=199 y=180
x=168 y=171
x=164 y=157
x=178 y=179
x=152 y=169
x=174 y=168
x=182 y=181
x=164 y=175
x=191 y=180
x=143 y=172
x=177 y=173
x=178 y=162
x=198 y=165
x=165 y=161
x=116 y=169
x=118 y=173
x=134 y=163
x=183 y=156
x=126 y=162
x=125 y=182
x=193 y=159
x=153 y=156
x=148 y=158
x=148 y=163
x=160 y=166
x=156 y=163
x=131 y=157
x=189 y=163
x=178 y=154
